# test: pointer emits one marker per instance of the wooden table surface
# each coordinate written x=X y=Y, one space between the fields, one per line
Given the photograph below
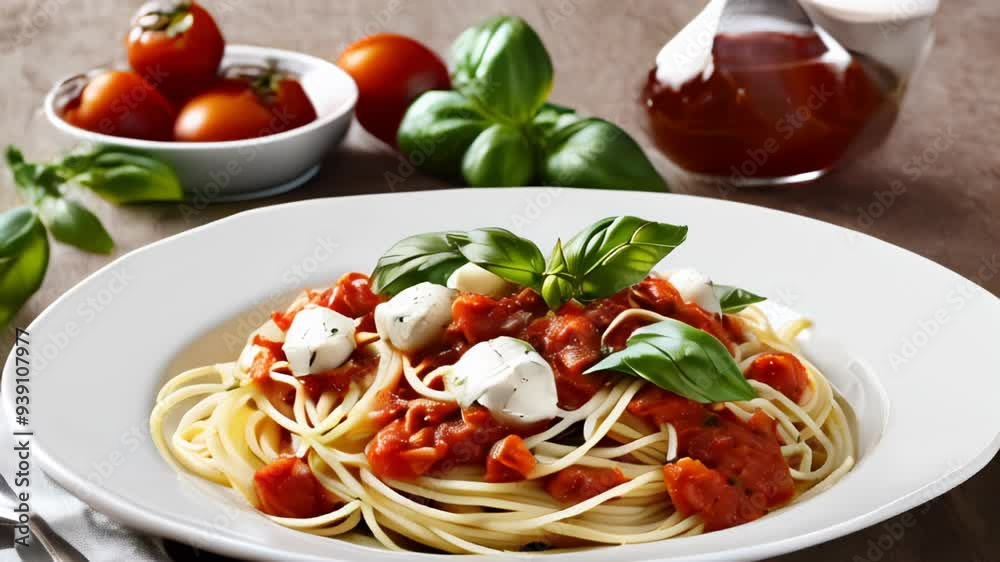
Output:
x=601 y=51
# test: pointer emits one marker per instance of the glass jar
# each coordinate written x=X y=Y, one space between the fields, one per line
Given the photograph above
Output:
x=754 y=93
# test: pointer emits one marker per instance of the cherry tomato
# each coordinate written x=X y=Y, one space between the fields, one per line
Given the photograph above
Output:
x=391 y=71
x=175 y=45
x=122 y=104
x=241 y=108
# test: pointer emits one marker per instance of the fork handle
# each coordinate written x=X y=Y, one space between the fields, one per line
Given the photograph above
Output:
x=58 y=548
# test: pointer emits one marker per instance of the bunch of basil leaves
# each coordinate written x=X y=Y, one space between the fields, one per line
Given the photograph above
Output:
x=496 y=129
x=602 y=259
x=116 y=175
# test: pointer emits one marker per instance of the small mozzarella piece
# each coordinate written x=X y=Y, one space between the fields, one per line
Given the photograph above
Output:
x=416 y=317
x=470 y=278
x=318 y=340
x=507 y=376
x=696 y=288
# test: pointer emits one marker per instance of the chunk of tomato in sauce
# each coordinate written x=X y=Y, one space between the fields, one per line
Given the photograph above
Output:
x=658 y=295
x=358 y=367
x=477 y=318
x=662 y=406
x=353 y=296
x=571 y=343
x=695 y=488
x=740 y=472
x=288 y=488
x=782 y=372
x=403 y=449
x=575 y=484
x=509 y=460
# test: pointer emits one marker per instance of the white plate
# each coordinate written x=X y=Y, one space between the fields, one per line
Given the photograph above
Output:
x=913 y=351
x=214 y=172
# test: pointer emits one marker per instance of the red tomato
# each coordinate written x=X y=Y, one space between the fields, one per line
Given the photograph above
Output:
x=288 y=488
x=391 y=71
x=237 y=109
x=175 y=45
x=122 y=104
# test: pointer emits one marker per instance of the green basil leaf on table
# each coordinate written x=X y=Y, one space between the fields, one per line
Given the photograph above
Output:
x=24 y=257
x=682 y=359
x=552 y=117
x=501 y=156
x=506 y=254
x=597 y=154
x=615 y=253
x=503 y=66
x=734 y=299
x=425 y=257
x=126 y=177
x=71 y=223
x=437 y=130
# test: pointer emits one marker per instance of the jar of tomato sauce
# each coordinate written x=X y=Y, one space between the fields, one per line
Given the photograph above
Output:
x=754 y=93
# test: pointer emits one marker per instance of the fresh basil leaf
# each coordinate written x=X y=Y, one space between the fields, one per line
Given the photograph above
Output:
x=424 y=257
x=734 y=299
x=71 y=223
x=504 y=253
x=597 y=154
x=438 y=129
x=615 y=253
x=501 y=156
x=503 y=66
x=682 y=359
x=24 y=257
x=124 y=177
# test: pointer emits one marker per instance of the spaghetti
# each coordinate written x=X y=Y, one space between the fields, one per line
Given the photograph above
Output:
x=623 y=461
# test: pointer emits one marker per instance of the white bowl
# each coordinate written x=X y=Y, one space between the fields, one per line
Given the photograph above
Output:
x=244 y=169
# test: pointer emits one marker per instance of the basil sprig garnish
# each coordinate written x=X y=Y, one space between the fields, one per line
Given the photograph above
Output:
x=601 y=260
x=734 y=299
x=682 y=359
x=608 y=256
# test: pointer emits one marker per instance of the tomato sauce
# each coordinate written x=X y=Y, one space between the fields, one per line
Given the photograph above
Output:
x=417 y=444
x=773 y=107
x=288 y=488
x=575 y=484
x=734 y=472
